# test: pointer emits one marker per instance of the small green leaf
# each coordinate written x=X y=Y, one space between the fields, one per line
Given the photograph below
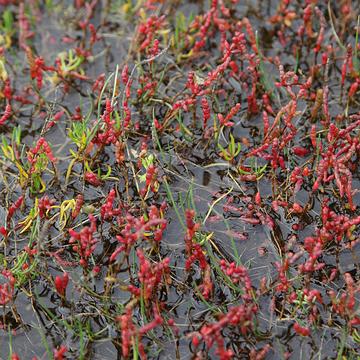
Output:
x=8 y=20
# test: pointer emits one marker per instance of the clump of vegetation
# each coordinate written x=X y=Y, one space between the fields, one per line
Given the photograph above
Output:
x=179 y=179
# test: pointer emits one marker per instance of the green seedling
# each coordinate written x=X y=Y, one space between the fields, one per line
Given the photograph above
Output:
x=7 y=28
x=37 y=184
x=99 y=175
x=10 y=154
x=69 y=66
x=232 y=151
x=3 y=72
x=79 y=133
x=253 y=169
x=33 y=214
x=69 y=61
x=146 y=162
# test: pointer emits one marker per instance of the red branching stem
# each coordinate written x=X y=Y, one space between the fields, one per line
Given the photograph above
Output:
x=61 y=283
x=79 y=202
x=83 y=242
x=135 y=229
x=41 y=147
x=59 y=354
x=15 y=206
x=6 y=115
x=107 y=210
x=303 y=331
x=7 y=289
x=206 y=111
x=151 y=275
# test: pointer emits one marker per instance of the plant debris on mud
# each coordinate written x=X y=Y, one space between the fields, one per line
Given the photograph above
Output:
x=179 y=179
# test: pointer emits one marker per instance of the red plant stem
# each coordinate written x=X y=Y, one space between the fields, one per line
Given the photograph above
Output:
x=6 y=114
